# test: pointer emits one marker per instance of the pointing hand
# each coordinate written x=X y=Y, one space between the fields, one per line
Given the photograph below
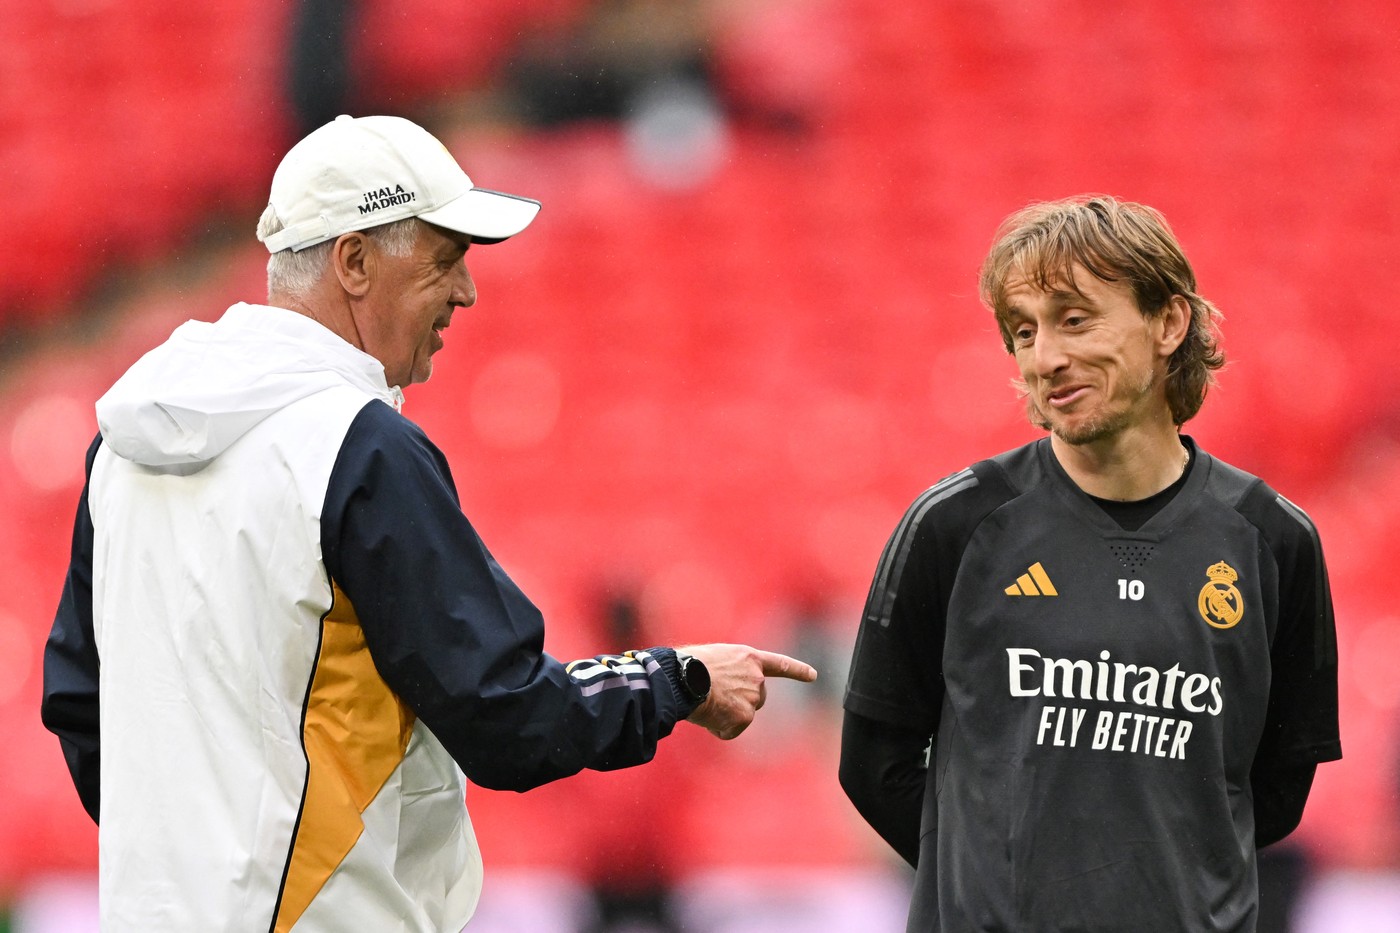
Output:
x=737 y=684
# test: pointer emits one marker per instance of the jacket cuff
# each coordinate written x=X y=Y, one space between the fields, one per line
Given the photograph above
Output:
x=671 y=666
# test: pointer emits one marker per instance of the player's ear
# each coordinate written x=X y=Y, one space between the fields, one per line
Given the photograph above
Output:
x=1174 y=322
x=352 y=261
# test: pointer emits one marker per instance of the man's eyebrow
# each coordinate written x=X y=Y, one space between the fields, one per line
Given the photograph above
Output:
x=1062 y=297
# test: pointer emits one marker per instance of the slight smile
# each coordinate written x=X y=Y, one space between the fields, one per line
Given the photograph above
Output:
x=1064 y=397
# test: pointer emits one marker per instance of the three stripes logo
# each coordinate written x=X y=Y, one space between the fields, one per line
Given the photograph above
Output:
x=1034 y=582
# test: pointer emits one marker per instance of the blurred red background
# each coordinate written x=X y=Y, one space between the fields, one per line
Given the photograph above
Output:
x=715 y=371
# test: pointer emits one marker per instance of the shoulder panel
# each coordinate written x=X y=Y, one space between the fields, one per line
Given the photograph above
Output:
x=1231 y=485
x=896 y=553
x=957 y=504
x=1020 y=467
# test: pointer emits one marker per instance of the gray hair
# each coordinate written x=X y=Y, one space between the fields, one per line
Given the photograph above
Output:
x=293 y=273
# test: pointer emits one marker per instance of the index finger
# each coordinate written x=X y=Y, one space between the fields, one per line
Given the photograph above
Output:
x=780 y=665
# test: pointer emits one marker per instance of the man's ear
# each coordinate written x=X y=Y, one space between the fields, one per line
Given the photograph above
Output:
x=1175 y=320
x=353 y=261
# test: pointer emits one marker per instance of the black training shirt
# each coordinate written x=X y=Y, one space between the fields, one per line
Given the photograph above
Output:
x=1099 y=696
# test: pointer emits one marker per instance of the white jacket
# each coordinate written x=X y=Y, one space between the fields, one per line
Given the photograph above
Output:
x=275 y=611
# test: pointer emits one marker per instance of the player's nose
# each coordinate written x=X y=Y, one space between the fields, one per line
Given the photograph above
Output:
x=1049 y=353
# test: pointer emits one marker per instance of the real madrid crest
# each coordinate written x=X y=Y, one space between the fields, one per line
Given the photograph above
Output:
x=1220 y=603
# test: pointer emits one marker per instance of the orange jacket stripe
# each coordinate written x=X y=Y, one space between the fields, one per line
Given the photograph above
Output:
x=356 y=734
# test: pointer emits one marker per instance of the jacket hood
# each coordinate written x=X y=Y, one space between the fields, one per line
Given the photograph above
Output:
x=192 y=397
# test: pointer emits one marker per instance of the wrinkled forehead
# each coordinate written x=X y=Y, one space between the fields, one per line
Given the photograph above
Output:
x=1039 y=272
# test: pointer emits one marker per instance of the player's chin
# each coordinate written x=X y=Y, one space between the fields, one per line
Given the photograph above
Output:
x=1073 y=428
x=1083 y=430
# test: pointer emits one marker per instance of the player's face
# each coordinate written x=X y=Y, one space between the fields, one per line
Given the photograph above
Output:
x=1093 y=363
x=416 y=295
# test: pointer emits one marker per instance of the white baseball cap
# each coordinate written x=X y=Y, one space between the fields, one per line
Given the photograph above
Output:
x=359 y=172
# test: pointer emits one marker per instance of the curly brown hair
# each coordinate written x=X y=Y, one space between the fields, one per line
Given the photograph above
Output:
x=1115 y=241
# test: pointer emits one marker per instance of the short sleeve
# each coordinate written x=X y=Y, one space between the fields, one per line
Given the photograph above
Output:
x=897 y=668
x=1302 y=723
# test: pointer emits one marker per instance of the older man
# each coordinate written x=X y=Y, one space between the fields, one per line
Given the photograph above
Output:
x=1120 y=647
x=281 y=644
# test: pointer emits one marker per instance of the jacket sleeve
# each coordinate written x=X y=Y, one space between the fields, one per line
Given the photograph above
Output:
x=69 y=705
x=459 y=642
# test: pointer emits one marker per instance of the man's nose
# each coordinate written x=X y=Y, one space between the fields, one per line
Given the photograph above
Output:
x=464 y=288
x=1050 y=355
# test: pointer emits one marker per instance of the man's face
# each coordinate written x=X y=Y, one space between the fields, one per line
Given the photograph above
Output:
x=1093 y=363
x=412 y=301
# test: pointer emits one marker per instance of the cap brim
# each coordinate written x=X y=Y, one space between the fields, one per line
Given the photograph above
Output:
x=484 y=215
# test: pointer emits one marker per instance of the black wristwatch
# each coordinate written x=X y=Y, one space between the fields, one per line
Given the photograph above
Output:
x=695 y=677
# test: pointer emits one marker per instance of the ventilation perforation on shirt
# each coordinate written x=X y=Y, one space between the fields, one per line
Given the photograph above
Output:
x=1132 y=554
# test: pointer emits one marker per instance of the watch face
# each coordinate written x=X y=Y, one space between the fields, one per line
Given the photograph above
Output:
x=696 y=677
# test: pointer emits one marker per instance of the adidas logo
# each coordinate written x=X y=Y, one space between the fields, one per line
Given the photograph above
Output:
x=1034 y=582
